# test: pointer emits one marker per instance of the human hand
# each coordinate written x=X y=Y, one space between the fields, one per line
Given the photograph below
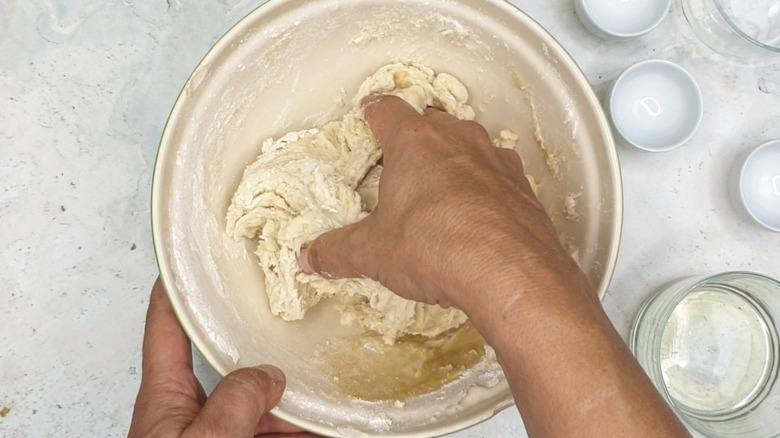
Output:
x=455 y=215
x=457 y=223
x=172 y=403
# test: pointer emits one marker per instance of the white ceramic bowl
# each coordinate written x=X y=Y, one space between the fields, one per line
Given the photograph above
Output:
x=755 y=185
x=621 y=19
x=655 y=105
x=292 y=64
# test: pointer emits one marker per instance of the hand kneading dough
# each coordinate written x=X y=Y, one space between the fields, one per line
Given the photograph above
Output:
x=309 y=182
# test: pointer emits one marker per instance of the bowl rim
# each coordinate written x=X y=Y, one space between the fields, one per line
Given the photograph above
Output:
x=604 y=28
x=738 y=30
x=668 y=66
x=742 y=171
x=163 y=157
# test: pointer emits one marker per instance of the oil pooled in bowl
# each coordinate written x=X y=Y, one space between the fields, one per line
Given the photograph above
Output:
x=365 y=367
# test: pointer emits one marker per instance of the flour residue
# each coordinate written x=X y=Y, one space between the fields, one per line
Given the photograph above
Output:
x=554 y=158
x=570 y=211
x=449 y=28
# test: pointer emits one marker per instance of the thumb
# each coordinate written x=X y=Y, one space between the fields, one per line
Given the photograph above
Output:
x=238 y=402
x=341 y=253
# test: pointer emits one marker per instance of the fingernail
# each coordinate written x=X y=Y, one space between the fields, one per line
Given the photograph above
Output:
x=273 y=372
x=303 y=259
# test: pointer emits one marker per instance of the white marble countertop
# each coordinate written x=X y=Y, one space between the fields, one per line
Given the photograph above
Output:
x=85 y=89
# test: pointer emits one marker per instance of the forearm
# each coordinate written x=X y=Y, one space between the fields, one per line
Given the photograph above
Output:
x=569 y=370
x=458 y=224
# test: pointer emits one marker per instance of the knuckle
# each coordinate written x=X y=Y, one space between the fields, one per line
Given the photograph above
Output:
x=417 y=127
x=475 y=131
x=511 y=158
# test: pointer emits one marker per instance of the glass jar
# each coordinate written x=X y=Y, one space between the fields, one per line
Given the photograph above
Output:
x=711 y=347
x=745 y=30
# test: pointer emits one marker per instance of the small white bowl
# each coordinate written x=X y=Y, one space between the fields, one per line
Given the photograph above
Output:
x=755 y=185
x=655 y=105
x=621 y=19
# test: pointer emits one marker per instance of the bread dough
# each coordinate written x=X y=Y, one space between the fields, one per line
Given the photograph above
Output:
x=308 y=182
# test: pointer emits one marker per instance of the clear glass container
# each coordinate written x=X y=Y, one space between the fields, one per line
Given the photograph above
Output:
x=711 y=347
x=741 y=29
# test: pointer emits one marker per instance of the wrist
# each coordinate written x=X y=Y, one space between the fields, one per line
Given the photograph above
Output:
x=516 y=299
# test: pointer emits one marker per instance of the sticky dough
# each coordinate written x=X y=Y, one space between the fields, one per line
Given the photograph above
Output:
x=308 y=182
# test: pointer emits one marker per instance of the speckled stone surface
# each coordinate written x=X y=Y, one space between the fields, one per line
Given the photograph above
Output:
x=85 y=89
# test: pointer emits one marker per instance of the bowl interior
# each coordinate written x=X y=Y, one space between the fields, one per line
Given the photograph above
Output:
x=291 y=65
x=760 y=184
x=626 y=17
x=656 y=105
